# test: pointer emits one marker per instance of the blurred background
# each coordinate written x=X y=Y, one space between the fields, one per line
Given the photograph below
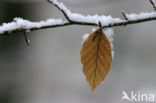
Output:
x=50 y=70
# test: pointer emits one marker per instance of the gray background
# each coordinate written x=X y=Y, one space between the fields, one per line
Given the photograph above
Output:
x=50 y=71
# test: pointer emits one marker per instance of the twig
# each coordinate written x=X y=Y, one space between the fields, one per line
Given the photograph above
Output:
x=124 y=15
x=66 y=16
x=151 y=1
x=26 y=39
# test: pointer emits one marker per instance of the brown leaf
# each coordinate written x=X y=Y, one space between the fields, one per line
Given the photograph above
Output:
x=96 y=57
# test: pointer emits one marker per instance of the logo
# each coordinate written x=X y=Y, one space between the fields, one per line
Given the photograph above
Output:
x=137 y=96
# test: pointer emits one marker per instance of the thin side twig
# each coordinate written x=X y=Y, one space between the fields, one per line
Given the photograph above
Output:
x=26 y=39
x=151 y=1
x=63 y=12
x=124 y=15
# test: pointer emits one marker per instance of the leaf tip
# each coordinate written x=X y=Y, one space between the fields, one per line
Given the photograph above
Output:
x=93 y=89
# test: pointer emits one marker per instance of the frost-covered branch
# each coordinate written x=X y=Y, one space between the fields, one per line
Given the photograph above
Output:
x=21 y=25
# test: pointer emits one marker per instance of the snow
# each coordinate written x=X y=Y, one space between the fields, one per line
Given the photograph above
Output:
x=28 y=30
x=105 y=20
x=19 y=23
x=110 y=35
x=142 y=15
x=84 y=37
x=94 y=29
x=108 y=32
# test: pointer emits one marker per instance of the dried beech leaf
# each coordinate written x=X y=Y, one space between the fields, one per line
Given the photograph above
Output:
x=96 y=58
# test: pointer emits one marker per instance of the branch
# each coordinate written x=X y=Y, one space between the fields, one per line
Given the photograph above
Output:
x=21 y=25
